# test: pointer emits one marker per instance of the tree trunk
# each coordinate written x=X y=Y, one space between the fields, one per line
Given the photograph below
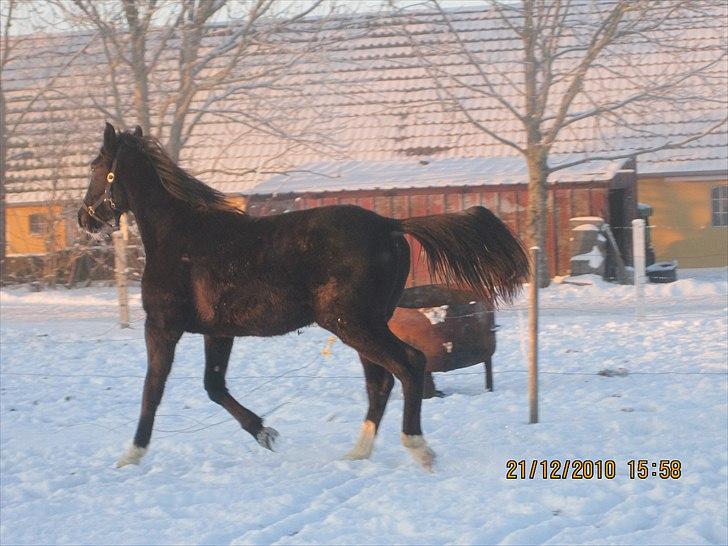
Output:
x=191 y=40
x=141 y=96
x=537 y=194
x=50 y=261
x=139 y=65
x=174 y=141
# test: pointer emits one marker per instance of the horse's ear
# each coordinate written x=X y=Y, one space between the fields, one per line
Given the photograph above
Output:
x=109 y=137
x=138 y=131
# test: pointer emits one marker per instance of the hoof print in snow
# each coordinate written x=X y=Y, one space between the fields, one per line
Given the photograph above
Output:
x=267 y=437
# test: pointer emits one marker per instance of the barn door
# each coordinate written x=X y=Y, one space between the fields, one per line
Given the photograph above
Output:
x=619 y=222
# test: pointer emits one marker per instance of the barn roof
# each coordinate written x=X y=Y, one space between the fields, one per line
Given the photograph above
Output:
x=370 y=175
x=362 y=95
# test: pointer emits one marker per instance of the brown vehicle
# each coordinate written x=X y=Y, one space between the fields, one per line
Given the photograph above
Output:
x=450 y=326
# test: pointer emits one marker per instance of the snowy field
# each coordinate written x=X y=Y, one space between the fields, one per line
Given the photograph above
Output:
x=71 y=385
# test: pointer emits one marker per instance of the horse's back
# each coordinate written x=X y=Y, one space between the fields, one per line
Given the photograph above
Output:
x=339 y=222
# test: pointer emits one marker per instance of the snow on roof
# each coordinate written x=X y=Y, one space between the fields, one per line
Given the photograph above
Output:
x=362 y=94
x=368 y=175
x=691 y=160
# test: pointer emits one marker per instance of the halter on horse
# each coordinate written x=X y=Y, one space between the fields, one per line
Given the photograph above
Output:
x=106 y=198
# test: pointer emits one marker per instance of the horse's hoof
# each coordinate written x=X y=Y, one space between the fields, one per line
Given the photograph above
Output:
x=420 y=451
x=426 y=458
x=365 y=443
x=357 y=455
x=267 y=437
x=131 y=456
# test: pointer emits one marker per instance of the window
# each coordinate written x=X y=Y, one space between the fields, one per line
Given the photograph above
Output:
x=38 y=224
x=719 y=204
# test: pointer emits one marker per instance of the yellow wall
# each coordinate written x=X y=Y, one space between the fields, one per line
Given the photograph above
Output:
x=682 y=221
x=21 y=241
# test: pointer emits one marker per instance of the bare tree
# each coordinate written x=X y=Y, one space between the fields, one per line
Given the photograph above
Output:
x=187 y=60
x=548 y=84
x=19 y=19
x=170 y=67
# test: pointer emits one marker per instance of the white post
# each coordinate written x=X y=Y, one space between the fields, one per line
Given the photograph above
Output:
x=638 y=252
x=533 y=338
x=124 y=227
x=120 y=237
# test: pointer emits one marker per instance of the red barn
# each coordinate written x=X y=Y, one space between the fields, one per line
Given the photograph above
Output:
x=400 y=189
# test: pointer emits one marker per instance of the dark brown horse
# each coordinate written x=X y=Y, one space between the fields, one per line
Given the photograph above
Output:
x=214 y=270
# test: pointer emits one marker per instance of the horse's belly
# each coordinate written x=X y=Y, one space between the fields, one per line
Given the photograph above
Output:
x=261 y=320
x=248 y=313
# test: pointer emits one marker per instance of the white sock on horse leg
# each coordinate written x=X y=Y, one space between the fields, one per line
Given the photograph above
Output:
x=131 y=456
x=419 y=450
x=365 y=443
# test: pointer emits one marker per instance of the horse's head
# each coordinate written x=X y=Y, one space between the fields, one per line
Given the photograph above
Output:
x=105 y=199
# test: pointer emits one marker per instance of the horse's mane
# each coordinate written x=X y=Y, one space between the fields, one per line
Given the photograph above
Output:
x=178 y=182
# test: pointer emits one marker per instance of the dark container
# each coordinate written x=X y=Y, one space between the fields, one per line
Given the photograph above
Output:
x=662 y=272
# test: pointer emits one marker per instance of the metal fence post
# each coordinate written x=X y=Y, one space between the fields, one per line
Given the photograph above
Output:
x=533 y=337
x=638 y=252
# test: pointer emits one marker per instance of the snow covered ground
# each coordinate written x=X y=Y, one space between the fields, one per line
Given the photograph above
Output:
x=71 y=383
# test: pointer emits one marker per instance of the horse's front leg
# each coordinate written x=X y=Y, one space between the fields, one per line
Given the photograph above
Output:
x=217 y=355
x=161 y=343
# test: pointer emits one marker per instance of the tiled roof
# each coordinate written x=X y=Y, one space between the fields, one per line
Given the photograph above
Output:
x=366 y=97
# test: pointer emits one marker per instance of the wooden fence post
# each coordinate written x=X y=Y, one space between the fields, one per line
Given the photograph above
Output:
x=120 y=238
x=638 y=252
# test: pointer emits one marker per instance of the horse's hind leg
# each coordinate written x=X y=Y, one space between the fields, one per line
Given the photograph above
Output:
x=217 y=355
x=407 y=364
x=160 y=354
x=379 y=385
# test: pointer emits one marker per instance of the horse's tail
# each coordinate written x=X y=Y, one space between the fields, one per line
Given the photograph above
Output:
x=473 y=248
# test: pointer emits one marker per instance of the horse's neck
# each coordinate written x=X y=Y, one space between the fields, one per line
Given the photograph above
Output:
x=161 y=219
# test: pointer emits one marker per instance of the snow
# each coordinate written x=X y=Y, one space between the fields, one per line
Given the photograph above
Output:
x=329 y=176
x=71 y=384
x=661 y=266
x=435 y=315
x=585 y=227
x=594 y=257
